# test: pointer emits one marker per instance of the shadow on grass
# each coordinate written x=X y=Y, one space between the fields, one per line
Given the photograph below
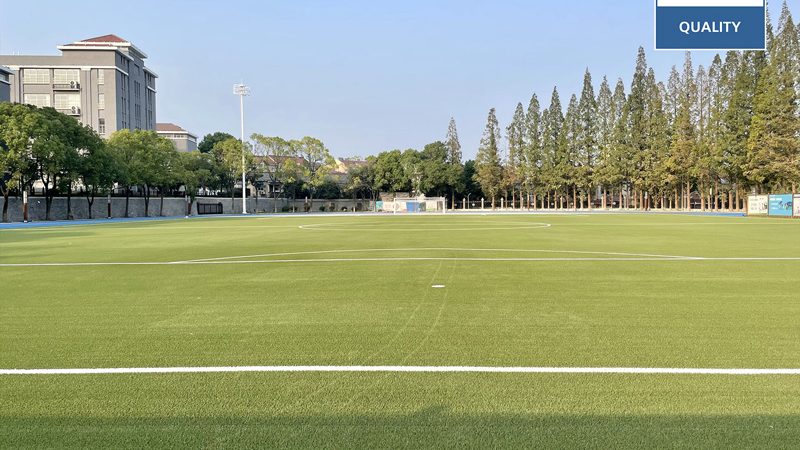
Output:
x=432 y=427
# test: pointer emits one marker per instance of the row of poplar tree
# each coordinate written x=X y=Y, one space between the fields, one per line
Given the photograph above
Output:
x=718 y=131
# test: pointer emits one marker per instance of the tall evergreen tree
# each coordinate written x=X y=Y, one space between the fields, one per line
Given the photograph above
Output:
x=637 y=124
x=606 y=119
x=515 y=133
x=569 y=152
x=552 y=133
x=705 y=169
x=682 y=161
x=587 y=139
x=488 y=171
x=532 y=153
x=651 y=180
x=455 y=167
x=737 y=120
x=453 y=144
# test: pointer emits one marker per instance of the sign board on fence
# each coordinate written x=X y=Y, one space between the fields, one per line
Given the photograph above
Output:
x=780 y=205
x=710 y=25
x=796 y=204
x=757 y=205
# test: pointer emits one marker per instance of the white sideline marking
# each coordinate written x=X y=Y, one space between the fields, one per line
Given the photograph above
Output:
x=335 y=260
x=438 y=286
x=401 y=369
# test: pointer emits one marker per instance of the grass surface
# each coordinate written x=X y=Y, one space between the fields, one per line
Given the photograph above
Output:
x=604 y=290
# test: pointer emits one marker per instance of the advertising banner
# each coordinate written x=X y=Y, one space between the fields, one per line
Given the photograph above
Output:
x=757 y=205
x=780 y=205
x=796 y=204
x=710 y=24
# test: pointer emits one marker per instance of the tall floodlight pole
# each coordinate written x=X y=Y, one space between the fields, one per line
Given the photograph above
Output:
x=241 y=90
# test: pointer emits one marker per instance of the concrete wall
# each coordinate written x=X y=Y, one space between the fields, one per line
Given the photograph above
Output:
x=172 y=207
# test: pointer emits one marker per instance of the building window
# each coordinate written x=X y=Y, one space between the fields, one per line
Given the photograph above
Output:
x=4 y=77
x=101 y=101
x=137 y=111
x=101 y=126
x=101 y=76
x=67 y=101
x=66 y=76
x=40 y=100
x=36 y=76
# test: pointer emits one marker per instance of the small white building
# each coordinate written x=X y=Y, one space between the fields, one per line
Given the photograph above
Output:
x=184 y=141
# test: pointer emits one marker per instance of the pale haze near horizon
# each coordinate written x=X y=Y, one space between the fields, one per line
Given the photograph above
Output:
x=362 y=76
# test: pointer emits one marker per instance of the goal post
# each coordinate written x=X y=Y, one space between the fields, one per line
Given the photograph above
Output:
x=417 y=205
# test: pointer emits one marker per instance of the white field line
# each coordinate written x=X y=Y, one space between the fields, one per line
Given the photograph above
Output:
x=406 y=369
x=437 y=249
x=378 y=227
x=345 y=260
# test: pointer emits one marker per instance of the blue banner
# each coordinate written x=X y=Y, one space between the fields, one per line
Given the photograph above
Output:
x=721 y=26
x=780 y=205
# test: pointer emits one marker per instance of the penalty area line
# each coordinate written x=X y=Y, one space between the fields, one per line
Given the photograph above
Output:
x=406 y=369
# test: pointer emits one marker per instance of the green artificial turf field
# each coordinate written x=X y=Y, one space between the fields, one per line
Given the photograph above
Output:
x=633 y=291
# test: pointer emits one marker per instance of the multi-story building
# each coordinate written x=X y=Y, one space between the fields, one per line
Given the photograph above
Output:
x=5 y=84
x=184 y=141
x=102 y=81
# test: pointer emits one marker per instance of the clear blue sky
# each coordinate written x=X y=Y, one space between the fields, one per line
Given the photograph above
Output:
x=363 y=76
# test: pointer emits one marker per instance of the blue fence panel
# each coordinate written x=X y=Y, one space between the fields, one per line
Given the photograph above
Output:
x=780 y=205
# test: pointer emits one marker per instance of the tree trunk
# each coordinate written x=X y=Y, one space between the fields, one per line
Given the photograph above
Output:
x=274 y=200
x=146 y=201
x=605 y=193
x=69 y=203
x=48 y=200
x=127 y=200
x=161 y=207
x=702 y=198
x=738 y=199
x=688 y=196
x=575 y=198
x=684 y=198
x=6 y=193
x=90 y=201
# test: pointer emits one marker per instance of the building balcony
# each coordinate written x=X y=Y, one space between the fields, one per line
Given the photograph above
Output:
x=71 y=86
x=74 y=111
